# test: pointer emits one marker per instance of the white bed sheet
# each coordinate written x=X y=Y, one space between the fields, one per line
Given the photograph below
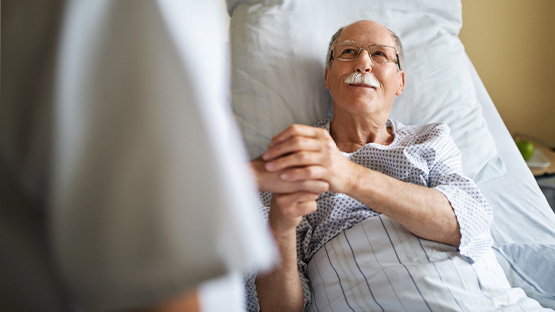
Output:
x=378 y=265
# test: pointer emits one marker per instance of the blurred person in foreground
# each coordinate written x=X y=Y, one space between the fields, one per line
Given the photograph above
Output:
x=109 y=160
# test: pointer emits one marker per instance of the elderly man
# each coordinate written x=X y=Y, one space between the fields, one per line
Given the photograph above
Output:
x=377 y=170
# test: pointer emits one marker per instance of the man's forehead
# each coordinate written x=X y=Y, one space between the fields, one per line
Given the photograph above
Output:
x=364 y=43
x=366 y=34
x=349 y=41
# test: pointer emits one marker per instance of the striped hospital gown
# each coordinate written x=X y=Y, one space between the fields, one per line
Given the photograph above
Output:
x=423 y=155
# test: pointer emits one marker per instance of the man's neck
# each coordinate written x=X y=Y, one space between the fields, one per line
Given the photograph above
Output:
x=351 y=133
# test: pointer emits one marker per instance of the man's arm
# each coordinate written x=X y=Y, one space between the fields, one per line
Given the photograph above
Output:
x=424 y=211
x=302 y=152
x=281 y=289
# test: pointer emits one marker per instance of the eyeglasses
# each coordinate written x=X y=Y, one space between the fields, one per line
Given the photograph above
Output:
x=378 y=53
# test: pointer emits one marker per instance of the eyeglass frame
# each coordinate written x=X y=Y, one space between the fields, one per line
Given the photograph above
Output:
x=332 y=56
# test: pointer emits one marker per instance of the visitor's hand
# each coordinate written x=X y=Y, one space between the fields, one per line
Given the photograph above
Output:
x=302 y=153
x=271 y=182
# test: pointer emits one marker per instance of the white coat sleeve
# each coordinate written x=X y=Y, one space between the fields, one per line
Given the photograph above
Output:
x=151 y=193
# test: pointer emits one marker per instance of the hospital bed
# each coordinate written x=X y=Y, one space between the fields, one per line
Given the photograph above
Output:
x=277 y=56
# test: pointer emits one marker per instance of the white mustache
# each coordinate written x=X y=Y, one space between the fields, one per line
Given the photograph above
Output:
x=365 y=79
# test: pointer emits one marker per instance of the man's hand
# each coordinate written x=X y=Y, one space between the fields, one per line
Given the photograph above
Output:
x=287 y=210
x=302 y=153
x=308 y=153
x=281 y=289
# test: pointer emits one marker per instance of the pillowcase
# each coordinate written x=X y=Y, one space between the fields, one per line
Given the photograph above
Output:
x=278 y=51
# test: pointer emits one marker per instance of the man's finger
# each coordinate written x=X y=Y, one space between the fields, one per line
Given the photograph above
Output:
x=294 y=144
x=312 y=186
x=306 y=208
x=298 y=159
x=304 y=173
x=296 y=130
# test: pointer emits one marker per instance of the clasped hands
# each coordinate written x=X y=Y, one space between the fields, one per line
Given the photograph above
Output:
x=301 y=163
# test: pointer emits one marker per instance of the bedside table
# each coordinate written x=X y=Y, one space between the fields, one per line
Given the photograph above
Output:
x=550 y=155
x=545 y=176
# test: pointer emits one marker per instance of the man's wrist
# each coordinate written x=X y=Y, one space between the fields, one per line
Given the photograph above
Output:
x=287 y=235
x=286 y=241
x=283 y=231
x=353 y=179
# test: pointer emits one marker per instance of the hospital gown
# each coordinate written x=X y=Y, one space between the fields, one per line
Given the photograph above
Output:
x=424 y=155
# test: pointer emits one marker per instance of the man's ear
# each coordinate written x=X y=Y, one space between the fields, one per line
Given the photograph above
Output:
x=401 y=84
x=326 y=78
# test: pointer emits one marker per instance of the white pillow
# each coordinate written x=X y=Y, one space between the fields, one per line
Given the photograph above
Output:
x=278 y=56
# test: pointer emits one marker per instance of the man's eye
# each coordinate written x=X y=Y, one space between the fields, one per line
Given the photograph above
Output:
x=349 y=51
x=379 y=56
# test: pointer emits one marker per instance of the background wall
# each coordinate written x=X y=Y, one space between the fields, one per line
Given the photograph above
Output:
x=512 y=45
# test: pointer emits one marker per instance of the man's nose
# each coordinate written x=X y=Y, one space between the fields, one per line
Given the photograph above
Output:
x=364 y=62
